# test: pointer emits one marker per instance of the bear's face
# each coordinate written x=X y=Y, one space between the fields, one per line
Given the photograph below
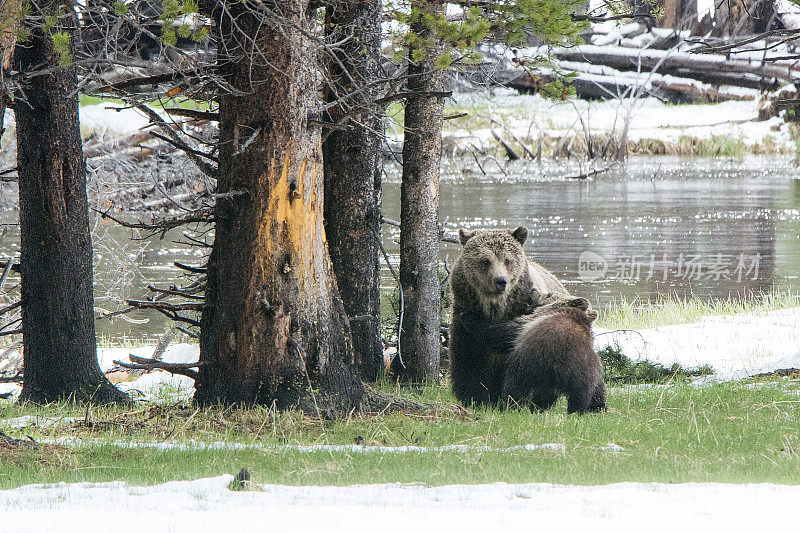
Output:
x=493 y=261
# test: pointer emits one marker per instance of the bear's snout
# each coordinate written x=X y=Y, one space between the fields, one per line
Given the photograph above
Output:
x=500 y=282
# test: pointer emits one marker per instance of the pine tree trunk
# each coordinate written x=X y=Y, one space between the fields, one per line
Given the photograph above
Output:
x=735 y=17
x=419 y=203
x=274 y=330
x=353 y=175
x=60 y=358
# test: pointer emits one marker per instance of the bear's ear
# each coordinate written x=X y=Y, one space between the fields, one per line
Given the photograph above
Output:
x=464 y=236
x=520 y=234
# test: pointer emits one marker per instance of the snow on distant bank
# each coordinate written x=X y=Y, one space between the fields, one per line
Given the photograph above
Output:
x=151 y=386
x=789 y=13
x=109 y=120
x=530 y=115
x=736 y=346
x=206 y=505
x=175 y=353
x=157 y=384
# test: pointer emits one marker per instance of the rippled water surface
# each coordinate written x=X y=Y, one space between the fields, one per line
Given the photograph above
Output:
x=707 y=227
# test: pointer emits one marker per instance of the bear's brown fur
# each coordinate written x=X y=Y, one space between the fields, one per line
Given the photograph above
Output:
x=492 y=283
x=554 y=356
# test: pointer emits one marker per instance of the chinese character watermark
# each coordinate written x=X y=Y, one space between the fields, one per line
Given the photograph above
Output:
x=633 y=268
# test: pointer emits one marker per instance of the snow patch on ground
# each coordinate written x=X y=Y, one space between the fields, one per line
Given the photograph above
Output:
x=113 y=120
x=158 y=384
x=736 y=346
x=207 y=505
x=193 y=445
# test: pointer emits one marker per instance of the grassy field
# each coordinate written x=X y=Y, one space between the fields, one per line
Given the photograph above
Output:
x=640 y=314
x=672 y=432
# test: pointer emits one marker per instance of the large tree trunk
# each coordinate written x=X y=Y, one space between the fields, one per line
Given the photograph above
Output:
x=679 y=14
x=353 y=174
x=274 y=330
x=60 y=359
x=420 y=336
x=743 y=17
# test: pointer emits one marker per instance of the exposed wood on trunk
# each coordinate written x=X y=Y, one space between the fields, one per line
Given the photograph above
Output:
x=274 y=329
x=353 y=158
x=56 y=249
x=419 y=339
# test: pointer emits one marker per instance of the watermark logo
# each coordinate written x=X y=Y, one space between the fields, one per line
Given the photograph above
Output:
x=633 y=268
x=591 y=266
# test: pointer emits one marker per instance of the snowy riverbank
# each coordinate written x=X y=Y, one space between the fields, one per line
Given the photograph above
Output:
x=736 y=346
x=531 y=117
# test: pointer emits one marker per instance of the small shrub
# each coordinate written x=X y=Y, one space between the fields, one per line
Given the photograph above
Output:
x=619 y=368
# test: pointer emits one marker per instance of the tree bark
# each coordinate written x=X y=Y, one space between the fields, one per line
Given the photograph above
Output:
x=60 y=359
x=679 y=14
x=419 y=203
x=352 y=165
x=273 y=331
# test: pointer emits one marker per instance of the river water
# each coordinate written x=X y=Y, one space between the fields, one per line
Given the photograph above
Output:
x=712 y=228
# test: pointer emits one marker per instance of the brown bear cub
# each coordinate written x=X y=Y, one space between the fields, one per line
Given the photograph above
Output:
x=493 y=283
x=554 y=356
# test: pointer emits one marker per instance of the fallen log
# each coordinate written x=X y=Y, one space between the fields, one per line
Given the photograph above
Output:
x=146 y=364
x=114 y=145
x=675 y=89
x=165 y=202
x=602 y=82
x=711 y=66
x=630 y=30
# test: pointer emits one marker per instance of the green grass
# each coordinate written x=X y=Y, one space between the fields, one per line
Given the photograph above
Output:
x=85 y=99
x=729 y=432
x=640 y=314
x=715 y=146
x=179 y=101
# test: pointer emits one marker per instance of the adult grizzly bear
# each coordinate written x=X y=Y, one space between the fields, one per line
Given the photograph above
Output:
x=492 y=283
x=554 y=356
